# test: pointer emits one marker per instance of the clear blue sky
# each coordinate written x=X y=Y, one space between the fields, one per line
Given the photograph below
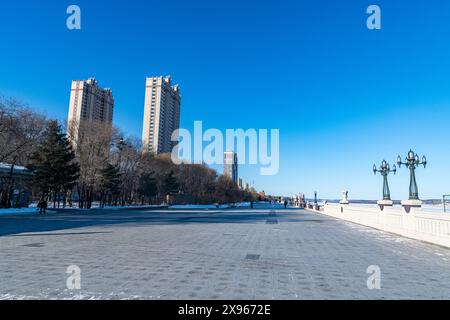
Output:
x=342 y=96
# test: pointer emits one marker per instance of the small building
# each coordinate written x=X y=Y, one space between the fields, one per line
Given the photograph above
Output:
x=15 y=185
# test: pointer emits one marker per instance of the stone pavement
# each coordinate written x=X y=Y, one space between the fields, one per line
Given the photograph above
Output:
x=263 y=253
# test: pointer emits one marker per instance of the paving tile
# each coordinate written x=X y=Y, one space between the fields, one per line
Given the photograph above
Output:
x=234 y=254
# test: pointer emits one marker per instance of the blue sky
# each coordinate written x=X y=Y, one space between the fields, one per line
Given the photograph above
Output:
x=342 y=96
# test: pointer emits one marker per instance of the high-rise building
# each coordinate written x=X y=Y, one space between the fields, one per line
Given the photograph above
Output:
x=89 y=102
x=161 y=115
x=230 y=167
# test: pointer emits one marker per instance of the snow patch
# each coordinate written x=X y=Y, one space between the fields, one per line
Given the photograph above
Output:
x=200 y=206
x=15 y=211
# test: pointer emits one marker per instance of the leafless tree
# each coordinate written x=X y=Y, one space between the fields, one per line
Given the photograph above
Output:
x=130 y=162
x=92 y=143
x=197 y=183
x=99 y=145
x=21 y=130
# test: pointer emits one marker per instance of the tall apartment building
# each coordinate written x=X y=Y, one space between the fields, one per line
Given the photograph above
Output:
x=89 y=102
x=230 y=166
x=161 y=115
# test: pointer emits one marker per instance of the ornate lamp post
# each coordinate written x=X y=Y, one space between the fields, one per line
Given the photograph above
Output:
x=384 y=170
x=412 y=161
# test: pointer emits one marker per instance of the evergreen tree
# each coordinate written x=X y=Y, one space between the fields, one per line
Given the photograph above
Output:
x=171 y=186
x=53 y=164
x=110 y=182
x=147 y=186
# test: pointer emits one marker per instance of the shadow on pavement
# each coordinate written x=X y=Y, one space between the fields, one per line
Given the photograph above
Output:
x=15 y=225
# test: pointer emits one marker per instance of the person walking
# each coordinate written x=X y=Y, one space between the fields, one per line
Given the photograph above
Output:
x=44 y=206
x=40 y=205
x=285 y=204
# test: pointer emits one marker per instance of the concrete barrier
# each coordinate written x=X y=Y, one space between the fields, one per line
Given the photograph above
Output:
x=415 y=224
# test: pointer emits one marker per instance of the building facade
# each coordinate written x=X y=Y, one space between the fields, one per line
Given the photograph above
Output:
x=230 y=167
x=89 y=102
x=161 y=115
x=15 y=186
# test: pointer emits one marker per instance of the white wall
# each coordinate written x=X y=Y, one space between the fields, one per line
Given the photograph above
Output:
x=429 y=227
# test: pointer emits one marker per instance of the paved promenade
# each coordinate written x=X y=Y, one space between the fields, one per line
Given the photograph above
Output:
x=264 y=253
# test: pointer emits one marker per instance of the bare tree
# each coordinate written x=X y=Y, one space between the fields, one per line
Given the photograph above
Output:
x=197 y=183
x=92 y=143
x=99 y=149
x=162 y=166
x=129 y=160
x=21 y=130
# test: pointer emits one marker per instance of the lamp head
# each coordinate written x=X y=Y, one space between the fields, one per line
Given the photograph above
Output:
x=424 y=161
x=399 y=161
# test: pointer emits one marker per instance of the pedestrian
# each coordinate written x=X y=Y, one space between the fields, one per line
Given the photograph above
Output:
x=251 y=204
x=44 y=206
x=285 y=204
x=39 y=205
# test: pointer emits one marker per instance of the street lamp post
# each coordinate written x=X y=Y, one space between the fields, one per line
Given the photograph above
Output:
x=316 y=205
x=384 y=170
x=412 y=162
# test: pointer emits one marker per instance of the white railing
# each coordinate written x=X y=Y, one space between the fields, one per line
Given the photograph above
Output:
x=417 y=224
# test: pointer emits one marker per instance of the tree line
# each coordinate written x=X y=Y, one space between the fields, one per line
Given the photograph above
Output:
x=91 y=162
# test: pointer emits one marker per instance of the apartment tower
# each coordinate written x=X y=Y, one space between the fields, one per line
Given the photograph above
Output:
x=161 y=115
x=230 y=168
x=88 y=102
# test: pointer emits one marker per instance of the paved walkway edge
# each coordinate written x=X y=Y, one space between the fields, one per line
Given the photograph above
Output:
x=426 y=227
x=77 y=210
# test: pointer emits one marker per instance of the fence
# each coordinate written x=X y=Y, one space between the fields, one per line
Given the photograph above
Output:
x=445 y=198
x=415 y=224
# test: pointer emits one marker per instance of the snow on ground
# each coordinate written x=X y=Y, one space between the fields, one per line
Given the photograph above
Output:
x=13 y=212
x=109 y=208
x=33 y=209
x=199 y=206
x=242 y=205
x=211 y=206
x=132 y=207
x=7 y=166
